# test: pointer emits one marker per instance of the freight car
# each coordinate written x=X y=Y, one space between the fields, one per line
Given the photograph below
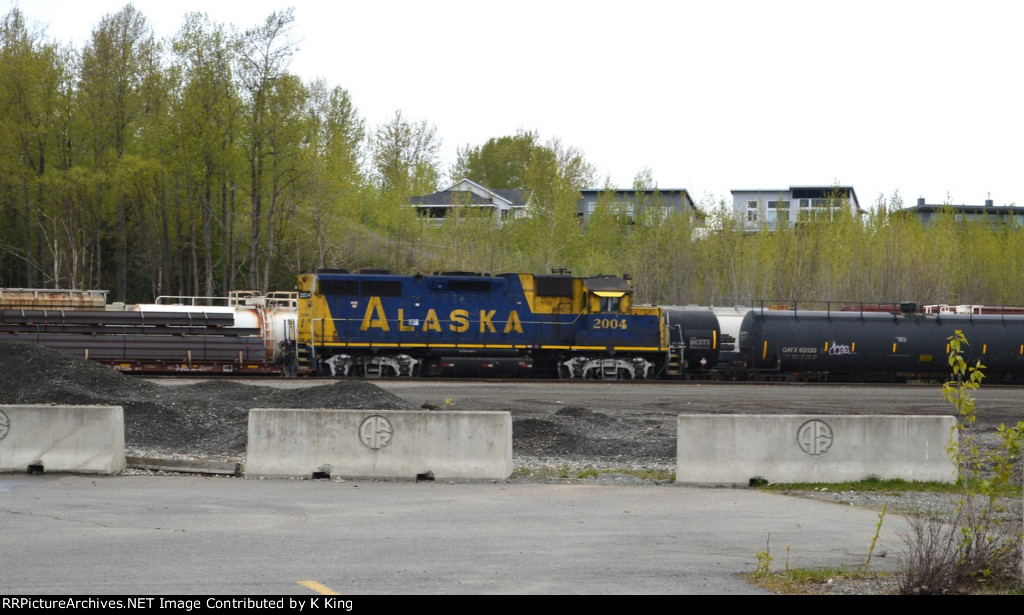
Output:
x=885 y=345
x=239 y=334
x=376 y=324
x=509 y=325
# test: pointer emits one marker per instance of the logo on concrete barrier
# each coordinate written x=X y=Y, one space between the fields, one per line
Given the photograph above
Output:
x=375 y=431
x=814 y=437
x=5 y=425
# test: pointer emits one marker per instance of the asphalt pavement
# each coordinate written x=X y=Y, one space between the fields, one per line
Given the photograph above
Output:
x=177 y=535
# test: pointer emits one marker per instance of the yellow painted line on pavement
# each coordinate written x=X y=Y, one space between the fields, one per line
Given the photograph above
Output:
x=319 y=588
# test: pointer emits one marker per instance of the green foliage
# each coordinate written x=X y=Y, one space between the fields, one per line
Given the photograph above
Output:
x=405 y=158
x=974 y=552
x=206 y=166
x=809 y=581
x=501 y=162
x=874 y=539
x=764 y=561
x=884 y=485
x=983 y=475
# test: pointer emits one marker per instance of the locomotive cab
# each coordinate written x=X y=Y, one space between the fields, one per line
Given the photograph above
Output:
x=608 y=294
x=612 y=339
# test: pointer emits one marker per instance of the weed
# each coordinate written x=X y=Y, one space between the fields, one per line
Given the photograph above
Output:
x=874 y=539
x=973 y=552
x=764 y=561
x=815 y=580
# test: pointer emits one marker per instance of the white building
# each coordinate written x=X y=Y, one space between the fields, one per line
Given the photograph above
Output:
x=783 y=207
x=502 y=205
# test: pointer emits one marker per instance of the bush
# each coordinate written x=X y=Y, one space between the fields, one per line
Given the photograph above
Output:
x=972 y=552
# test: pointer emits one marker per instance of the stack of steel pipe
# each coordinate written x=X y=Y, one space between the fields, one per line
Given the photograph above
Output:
x=106 y=336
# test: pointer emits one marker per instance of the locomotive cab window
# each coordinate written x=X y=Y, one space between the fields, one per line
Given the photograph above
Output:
x=609 y=301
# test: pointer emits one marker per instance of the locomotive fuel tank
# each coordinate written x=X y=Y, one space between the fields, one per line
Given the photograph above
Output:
x=869 y=344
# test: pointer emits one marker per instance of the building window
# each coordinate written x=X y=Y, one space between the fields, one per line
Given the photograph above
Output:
x=777 y=210
x=817 y=209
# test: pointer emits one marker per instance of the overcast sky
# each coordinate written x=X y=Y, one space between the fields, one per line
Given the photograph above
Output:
x=919 y=97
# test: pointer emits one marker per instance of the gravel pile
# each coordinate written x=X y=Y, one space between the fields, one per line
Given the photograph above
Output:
x=209 y=420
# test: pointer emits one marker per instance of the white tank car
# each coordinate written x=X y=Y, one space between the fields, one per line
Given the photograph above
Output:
x=273 y=316
x=729 y=321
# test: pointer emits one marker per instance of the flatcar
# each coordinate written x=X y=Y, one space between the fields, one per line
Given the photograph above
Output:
x=243 y=333
x=458 y=324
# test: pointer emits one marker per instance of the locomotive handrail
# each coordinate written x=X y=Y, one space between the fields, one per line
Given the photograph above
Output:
x=580 y=315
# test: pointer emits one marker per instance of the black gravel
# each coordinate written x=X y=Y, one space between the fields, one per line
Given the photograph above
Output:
x=208 y=418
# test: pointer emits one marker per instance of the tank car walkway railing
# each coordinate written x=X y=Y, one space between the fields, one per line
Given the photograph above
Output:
x=896 y=309
x=846 y=307
x=236 y=298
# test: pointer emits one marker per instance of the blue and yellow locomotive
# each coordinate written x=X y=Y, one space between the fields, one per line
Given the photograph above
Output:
x=460 y=324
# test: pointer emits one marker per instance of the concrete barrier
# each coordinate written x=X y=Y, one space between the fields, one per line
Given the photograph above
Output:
x=732 y=449
x=379 y=444
x=62 y=439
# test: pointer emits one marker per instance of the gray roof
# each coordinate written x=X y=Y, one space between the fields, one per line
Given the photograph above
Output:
x=458 y=197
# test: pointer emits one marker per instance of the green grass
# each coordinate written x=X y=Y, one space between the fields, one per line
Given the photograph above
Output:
x=891 y=485
x=812 y=581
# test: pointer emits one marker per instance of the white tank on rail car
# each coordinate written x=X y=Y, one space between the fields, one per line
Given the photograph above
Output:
x=273 y=315
x=730 y=319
